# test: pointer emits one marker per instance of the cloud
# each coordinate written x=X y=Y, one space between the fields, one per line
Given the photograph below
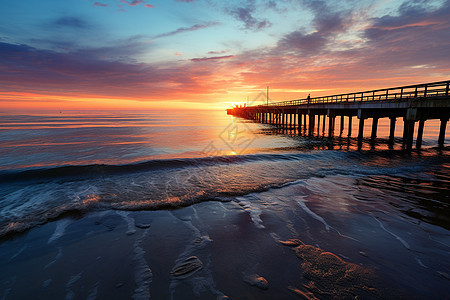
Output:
x=212 y=58
x=219 y=52
x=187 y=29
x=72 y=22
x=100 y=4
x=390 y=49
x=411 y=18
x=327 y=24
x=28 y=69
x=306 y=43
x=415 y=36
x=135 y=3
x=117 y=50
x=245 y=15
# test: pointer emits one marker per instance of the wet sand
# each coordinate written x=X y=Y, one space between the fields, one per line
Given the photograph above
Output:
x=336 y=237
x=122 y=255
x=222 y=251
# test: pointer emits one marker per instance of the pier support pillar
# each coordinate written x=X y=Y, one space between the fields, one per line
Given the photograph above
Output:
x=304 y=121
x=311 y=124
x=409 y=133
x=300 y=122
x=331 y=120
x=342 y=126
x=350 y=126
x=420 y=134
x=405 y=130
x=373 y=136
x=318 y=125
x=323 y=124
x=360 y=132
x=392 y=129
x=295 y=118
x=442 y=132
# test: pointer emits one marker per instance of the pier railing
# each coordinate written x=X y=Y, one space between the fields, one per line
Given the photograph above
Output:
x=434 y=89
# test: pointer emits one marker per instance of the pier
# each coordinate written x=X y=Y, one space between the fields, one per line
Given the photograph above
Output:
x=412 y=103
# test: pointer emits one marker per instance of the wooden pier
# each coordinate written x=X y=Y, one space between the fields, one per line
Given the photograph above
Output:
x=413 y=103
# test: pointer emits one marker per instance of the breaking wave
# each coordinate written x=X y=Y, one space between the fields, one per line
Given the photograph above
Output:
x=34 y=196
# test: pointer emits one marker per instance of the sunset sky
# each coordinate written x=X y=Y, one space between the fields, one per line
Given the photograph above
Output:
x=125 y=54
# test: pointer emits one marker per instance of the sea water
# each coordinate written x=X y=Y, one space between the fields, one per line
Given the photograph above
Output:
x=170 y=185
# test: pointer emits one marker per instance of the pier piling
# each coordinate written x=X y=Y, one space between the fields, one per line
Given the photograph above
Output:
x=373 y=136
x=420 y=134
x=350 y=126
x=442 y=132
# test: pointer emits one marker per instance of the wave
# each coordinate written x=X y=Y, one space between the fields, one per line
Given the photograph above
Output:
x=33 y=197
x=80 y=171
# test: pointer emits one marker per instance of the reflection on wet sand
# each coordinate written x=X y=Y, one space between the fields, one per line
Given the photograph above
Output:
x=331 y=277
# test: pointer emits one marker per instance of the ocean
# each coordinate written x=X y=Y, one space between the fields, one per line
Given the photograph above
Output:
x=203 y=205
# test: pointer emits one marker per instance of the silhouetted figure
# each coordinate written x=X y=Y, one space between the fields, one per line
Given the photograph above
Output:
x=309 y=98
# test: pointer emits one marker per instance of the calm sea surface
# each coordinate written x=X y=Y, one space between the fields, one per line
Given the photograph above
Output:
x=386 y=209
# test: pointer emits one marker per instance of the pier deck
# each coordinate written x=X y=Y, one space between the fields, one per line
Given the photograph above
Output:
x=413 y=103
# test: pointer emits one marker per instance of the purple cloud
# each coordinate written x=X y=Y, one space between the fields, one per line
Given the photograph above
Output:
x=327 y=23
x=211 y=58
x=100 y=4
x=73 y=22
x=136 y=2
x=27 y=69
x=306 y=43
x=187 y=29
x=245 y=15
x=219 y=52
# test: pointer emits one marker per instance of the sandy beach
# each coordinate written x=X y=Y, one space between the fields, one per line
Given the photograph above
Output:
x=226 y=250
